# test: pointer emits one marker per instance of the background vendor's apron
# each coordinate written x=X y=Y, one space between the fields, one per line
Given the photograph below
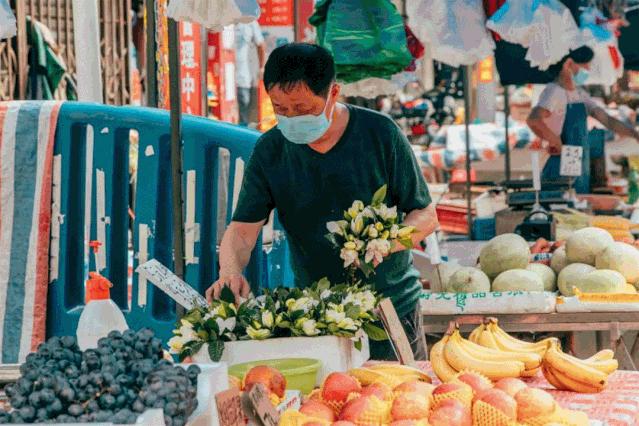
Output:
x=574 y=132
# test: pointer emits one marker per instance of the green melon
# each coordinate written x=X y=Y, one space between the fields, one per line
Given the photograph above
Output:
x=518 y=280
x=559 y=260
x=504 y=252
x=546 y=274
x=468 y=280
x=571 y=275
x=602 y=281
x=620 y=257
x=584 y=245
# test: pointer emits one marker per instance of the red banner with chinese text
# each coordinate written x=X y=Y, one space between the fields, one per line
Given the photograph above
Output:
x=191 y=68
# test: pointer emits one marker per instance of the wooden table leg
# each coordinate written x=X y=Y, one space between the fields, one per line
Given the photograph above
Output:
x=599 y=339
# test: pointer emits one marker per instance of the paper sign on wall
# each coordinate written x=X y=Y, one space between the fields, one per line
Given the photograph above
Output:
x=158 y=274
x=571 y=159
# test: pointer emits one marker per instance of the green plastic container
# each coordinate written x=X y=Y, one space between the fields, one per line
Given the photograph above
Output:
x=300 y=373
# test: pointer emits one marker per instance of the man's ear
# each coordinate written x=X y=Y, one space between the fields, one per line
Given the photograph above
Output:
x=335 y=91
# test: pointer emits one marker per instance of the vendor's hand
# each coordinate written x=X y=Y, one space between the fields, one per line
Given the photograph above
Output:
x=235 y=282
x=554 y=147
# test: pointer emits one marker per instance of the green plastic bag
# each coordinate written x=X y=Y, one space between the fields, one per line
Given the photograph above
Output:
x=367 y=37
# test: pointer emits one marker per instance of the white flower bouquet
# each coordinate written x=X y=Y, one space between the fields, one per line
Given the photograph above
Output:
x=367 y=233
x=319 y=310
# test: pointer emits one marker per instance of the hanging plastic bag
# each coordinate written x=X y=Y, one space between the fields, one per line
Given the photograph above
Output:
x=213 y=14
x=415 y=47
x=598 y=33
x=455 y=30
x=366 y=37
x=545 y=27
x=7 y=20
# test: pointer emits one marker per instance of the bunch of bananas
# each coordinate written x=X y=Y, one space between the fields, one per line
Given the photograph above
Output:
x=490 y=335
x=392 y=375
x=453 y=354
x=567 y=372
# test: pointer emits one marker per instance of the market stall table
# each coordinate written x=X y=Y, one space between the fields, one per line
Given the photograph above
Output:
x=618 y=405
x=613 y=322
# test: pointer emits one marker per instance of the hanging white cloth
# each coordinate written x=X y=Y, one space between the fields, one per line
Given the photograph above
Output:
x=455 y=29
x=545 y=27
x=607 y=65
x=7 y=21
x=214 y=14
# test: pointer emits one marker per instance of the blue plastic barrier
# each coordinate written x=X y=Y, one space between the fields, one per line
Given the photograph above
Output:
x=108 y=218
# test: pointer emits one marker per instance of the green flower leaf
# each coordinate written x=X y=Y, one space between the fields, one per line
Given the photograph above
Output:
x=352 y=311
x=194 y=316
x=367 y=269
x=406 y=242
x=379 y=196
x=323 y=284
x=227 y=295
x=358 y=344
x=374 y=332
x=216 y=349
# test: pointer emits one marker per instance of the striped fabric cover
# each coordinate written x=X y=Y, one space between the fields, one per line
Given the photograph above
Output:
x=26 y=156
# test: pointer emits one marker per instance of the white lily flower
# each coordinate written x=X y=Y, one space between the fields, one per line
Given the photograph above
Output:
x=377 y=249
x=357 y=204
x=368 y=212
x=260 y=334
x=333 y=315
x=386 y=213
x=302 y=304
x=334 y=228
x=372 y=232
x=357 y=224
x=309 y=327
x=348 y=324
x=176 y=343
x=325 y=294
x=226 y=324
x=359 y=244
x=394 y=230
x=187 y=332
x=267 y=319
x=348 y=256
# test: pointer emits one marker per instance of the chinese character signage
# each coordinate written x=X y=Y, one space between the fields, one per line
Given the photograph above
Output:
x=190 y=68
x=276 y=13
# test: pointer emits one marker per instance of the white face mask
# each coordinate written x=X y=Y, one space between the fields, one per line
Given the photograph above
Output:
x=305 y=129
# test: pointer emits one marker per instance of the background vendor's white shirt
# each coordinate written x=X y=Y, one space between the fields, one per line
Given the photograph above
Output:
x=555 y=98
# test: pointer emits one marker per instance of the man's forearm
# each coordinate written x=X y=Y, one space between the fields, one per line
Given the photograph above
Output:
x=425 y=223
x=542 y=130
x=613 y=124
x=235 y=253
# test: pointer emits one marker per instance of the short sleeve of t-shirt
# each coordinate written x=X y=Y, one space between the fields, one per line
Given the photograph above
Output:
x=255 y=201
x=590 y=103
x=553 y=99
x=408 y=187
x=257 y=36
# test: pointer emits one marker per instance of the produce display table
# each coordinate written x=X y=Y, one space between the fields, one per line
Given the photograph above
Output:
x=618 y=405
x=613 y=322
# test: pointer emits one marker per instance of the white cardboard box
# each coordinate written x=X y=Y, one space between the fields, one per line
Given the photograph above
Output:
x=335 y=353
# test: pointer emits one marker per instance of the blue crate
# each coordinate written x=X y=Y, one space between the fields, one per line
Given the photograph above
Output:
x=483 y=229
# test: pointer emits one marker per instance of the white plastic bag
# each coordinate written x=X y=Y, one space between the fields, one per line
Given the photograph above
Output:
x=545 y=27
x=454 y=29
x=607 y=65
x=214 y=14
x=7 y=20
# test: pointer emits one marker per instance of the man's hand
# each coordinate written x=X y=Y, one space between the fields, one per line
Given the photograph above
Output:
x=554 y=146
x=235 y=282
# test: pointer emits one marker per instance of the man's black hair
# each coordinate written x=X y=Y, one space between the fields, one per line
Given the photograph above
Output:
x=581 y=55
x=296 y=63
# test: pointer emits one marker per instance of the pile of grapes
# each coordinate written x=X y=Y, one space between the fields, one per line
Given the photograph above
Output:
x=124 y=376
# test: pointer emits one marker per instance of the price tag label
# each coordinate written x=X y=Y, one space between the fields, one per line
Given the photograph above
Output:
x=229 y=408
x=396 y=333
x=171 y=284
x=571 y=159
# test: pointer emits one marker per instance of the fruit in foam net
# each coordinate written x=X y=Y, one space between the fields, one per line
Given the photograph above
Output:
x=361 y=407
x=501 y=401
x=415 y=386
x=410 y=406
x=380 y=390
x=343 y=423
x=420 y=422
x=533 y=402
x=317 y=410
x=504 y=252
x=337 y=387
x=450 y=413
x=476 y=381
x=510 y=385
x=271 y=378
x=445 y=388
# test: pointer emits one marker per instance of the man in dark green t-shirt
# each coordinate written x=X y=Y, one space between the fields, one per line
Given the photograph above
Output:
x=321 y=157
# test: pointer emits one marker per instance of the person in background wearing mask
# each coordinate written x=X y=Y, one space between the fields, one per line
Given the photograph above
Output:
x=561 y=114
x=321 y=157
x=245 y=34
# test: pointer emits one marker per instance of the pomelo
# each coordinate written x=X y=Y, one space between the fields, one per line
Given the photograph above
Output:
x=504 y=252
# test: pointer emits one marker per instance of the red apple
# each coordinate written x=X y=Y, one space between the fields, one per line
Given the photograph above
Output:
x=272 y=379
x=343 y=423
x=337 y=387
x=533 y=402
x=415 y=386
x=318 y=410
x=500 y=400
x=476 y=381
x=449 y=387
x=380 y=390
x=356 y=408
x=450 y=413
x=511 y=385
x=410 y=406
